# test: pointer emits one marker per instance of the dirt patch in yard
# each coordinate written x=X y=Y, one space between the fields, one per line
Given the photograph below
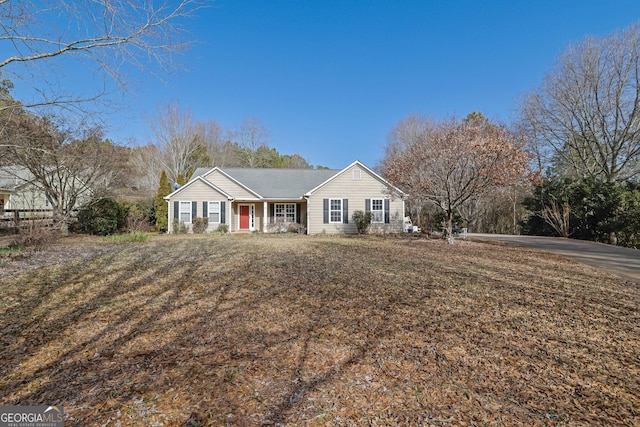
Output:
x=296 y=330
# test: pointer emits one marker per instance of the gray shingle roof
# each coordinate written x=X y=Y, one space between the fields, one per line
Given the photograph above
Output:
x=277 y=183
x=199 y=172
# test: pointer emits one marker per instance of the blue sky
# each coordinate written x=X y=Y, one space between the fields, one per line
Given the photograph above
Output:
x=329 y=79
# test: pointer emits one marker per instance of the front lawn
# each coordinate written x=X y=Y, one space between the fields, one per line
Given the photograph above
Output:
x=297 y=330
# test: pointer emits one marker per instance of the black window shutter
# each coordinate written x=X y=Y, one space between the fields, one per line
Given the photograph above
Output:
x=325 y=211
x=194 y=210
x=176 y=210
x=205 y=209
x=298 y=212
x=223 y=213
x=367 y=205
x=345 y=211
x=386 y=211
x=272 y=213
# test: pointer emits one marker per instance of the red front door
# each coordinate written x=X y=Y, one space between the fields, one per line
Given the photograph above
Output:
x=244 y=217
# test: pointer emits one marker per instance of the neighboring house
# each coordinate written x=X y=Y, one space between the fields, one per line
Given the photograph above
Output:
x=314 y=200
x=18 y=192
x=22 y=195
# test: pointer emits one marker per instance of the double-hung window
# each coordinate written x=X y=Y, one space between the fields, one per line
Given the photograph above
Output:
x=214 y=212
x=290 y=212
x=377 y=210
x=185 y=212
x=335 y=210
x=279 y=212
x=285 y=212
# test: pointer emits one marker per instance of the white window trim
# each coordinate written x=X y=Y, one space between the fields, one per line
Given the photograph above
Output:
x=284 y=213
x=181 y=211
x=357 y=174
x=373 y=211
x=277 y=214
x=209 y=211
x=331 y=221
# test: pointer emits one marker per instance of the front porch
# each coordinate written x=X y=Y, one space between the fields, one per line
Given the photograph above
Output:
x=268 y=216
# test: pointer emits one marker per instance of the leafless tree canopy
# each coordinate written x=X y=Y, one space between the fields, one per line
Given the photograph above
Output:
x=181 y=145
x=216 y=139
x=67 y=168
x=585 y=117
x=251 y=136
x=107 y=33
x=178 y=140
x=147 y=165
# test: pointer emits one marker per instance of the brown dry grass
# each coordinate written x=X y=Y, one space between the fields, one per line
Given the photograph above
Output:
x=295 y=330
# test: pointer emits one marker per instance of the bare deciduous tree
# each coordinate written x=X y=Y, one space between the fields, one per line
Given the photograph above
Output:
x=251 y=136
x=216 y=140
x=585 y=117
x=68 y=170
x=105 y=34
x=449 y=163
x=556 y=215
x=498 y=211
x=147 y=165
x=178 y=140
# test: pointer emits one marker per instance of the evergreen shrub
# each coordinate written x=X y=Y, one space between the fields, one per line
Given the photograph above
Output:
x=103 y=217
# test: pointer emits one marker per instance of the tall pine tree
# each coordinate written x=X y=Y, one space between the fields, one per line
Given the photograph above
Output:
x=160 y=204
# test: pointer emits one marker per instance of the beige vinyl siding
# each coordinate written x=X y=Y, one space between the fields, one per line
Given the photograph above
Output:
x=228 y=186
x=199 y=192
x=344 y=186
x=27 y=197
x=30 y=197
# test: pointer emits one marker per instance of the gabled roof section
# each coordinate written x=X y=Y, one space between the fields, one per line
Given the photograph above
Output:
x=281 y=183
x=369 y=171
x=204 y=172
x=198 y=179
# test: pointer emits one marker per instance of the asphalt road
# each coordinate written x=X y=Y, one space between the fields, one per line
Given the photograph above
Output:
x=623 y=262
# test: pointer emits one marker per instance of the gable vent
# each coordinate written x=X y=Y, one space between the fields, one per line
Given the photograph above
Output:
x=356 y=174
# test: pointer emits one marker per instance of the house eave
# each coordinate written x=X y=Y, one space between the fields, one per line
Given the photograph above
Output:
x=283 y=199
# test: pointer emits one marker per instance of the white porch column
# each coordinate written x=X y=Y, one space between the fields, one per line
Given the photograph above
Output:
x=306 y=198
x=169 y=221
x=265 y=216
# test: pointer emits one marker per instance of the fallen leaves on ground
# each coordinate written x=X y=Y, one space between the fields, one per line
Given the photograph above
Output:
x=298 y=330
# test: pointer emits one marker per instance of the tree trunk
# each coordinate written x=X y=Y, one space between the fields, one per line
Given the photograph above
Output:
x=60 y=221
x=449 y=226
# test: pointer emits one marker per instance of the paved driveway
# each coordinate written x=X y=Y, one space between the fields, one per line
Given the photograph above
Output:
x=623 y=262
